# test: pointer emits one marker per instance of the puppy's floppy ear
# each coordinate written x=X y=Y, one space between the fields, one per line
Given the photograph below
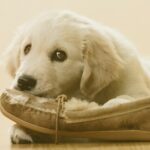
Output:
x=102 y=64
x=12 y=56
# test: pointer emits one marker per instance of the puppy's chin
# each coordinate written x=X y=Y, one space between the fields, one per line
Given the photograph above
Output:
x=46 y=94
x=49 y=93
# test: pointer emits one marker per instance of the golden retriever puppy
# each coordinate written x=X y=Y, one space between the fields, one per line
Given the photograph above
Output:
x=62 y=52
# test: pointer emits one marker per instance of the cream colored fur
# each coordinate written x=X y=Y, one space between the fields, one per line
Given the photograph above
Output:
x=101 y=65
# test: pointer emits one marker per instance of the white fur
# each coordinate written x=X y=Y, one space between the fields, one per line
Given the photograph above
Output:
x=18 y=134
x=19 y=99
x=101 y=64
x=75 y=104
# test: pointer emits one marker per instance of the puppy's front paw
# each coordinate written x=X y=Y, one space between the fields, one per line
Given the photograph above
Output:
x=19 y=136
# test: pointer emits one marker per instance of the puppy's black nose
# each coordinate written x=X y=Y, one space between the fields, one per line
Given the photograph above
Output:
x=26 y=82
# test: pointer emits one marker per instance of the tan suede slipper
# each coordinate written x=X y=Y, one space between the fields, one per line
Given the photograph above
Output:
x=125 y=122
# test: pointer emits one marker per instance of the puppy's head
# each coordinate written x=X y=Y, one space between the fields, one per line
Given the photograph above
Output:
x=64 y=53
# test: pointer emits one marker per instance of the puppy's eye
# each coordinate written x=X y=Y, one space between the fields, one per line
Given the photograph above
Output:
x=27 y=49
x=58 y=55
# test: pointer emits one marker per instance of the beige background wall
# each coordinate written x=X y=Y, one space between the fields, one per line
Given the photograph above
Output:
x=131 y=17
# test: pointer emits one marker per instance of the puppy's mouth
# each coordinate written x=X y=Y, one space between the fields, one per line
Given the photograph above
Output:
x=47 y=93
x=43 y=94
x=39 y=94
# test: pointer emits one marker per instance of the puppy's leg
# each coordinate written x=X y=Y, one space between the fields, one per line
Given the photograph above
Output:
x=118 y=100
x=21 y=135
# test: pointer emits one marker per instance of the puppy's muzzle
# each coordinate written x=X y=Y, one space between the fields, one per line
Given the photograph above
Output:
x=26 y=83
